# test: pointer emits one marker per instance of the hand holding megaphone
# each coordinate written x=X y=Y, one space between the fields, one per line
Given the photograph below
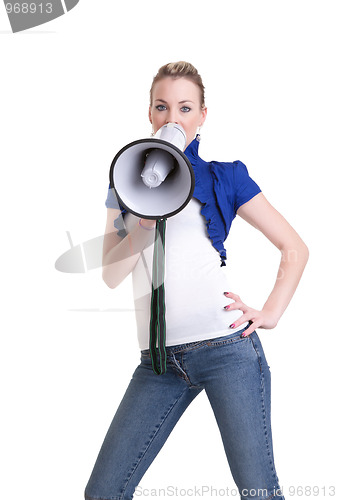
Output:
x=148 y=223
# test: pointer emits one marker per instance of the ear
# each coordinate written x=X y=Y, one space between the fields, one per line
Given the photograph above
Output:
x=203 y=116
x=150 y=114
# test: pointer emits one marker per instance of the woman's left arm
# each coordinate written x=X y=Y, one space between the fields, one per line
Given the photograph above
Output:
x=294 y=256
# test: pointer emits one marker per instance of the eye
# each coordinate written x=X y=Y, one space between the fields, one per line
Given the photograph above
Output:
x=185 y=109
x=161 y=107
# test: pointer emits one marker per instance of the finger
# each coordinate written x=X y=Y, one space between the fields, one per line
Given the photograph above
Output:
x=232 y=295
x=236 y=305
x=252 y=328
x=249 y=330
x=238 y=322
x=243 y=319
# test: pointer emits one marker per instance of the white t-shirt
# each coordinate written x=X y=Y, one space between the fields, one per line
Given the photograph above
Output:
x=194 y=282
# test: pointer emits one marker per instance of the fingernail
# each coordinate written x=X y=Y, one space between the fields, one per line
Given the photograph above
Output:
x=243 y=334
x=232 y=325
x=226 y=293
x=226 y=307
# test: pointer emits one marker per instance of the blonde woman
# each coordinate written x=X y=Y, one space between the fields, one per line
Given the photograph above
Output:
x=211 y=342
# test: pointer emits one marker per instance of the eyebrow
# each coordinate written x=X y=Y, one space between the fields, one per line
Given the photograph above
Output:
x=180 y=102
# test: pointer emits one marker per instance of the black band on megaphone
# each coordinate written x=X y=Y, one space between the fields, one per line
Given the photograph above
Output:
x=157 y=320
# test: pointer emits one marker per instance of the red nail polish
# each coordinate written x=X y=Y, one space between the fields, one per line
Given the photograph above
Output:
x=226 y=293
x=232 y=325
x=226 y=307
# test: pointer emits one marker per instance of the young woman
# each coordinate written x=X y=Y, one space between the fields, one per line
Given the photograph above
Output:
x=211 y=341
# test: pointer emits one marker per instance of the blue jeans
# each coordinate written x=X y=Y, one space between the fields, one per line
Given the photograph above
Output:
x=235 y=375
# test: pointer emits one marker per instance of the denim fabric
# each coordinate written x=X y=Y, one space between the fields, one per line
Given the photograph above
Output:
x=235 y=375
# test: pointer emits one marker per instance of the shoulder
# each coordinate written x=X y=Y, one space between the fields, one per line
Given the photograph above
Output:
x=236 y=166
x=236 y=181
x=234 y=172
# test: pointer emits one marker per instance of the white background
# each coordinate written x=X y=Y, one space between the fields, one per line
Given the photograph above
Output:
x=73 y=92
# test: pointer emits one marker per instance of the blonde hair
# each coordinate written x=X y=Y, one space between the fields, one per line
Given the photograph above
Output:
x=180 y=69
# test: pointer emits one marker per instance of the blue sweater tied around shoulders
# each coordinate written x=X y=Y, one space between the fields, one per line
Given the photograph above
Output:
x=222 y=187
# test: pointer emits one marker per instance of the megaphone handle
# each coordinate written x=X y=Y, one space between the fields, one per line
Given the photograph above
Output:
x=157 y=320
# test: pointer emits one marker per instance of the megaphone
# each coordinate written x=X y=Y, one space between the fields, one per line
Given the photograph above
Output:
x=152 y=178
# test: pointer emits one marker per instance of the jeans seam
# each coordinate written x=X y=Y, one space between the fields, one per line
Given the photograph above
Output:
x=208 y=343
x=224 y=342
x=101 y=498
x=189 y=348
x=149 y=444
x=263 y=406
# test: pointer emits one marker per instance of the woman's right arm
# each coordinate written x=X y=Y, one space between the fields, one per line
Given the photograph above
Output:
x=120 y=255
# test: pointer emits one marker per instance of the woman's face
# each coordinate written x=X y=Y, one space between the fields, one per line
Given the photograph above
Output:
x=177 y=101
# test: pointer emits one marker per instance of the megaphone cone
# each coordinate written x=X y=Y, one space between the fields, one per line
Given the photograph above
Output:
x=152 y=178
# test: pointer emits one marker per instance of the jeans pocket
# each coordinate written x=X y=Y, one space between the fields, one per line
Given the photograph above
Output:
x=228 y=339
x=234 y=340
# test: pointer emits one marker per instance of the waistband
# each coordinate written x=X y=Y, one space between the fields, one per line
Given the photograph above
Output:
x=190 y=345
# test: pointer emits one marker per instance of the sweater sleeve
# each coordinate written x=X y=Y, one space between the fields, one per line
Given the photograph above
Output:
x=244 y=186
x=112 y=202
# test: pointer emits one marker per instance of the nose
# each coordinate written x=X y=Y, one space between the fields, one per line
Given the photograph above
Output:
x=172 y=118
